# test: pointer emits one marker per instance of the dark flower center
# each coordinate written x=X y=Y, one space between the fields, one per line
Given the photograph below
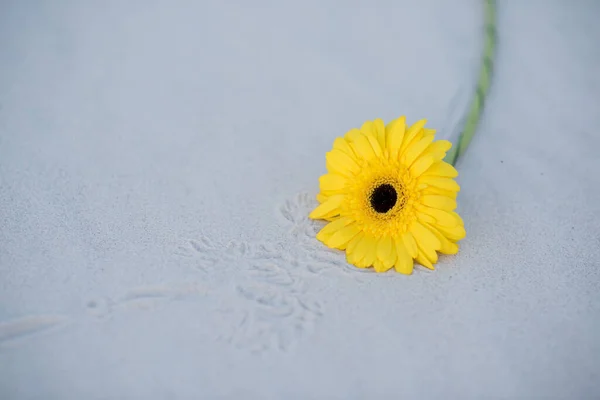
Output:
x=384 y=198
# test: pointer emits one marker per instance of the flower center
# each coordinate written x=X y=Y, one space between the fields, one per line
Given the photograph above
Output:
x=383 y=198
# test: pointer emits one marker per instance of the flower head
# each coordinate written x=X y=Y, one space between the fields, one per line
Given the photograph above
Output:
x=389 y=197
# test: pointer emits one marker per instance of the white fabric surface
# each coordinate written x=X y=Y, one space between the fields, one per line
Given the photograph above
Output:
x=158 y=160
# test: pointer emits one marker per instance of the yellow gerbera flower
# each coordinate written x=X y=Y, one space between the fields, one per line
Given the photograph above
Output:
x=390 y=197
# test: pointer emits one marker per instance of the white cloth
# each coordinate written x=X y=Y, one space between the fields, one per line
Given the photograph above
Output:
x=158 y=160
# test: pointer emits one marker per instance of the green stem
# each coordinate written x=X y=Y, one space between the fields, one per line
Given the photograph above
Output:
x=482 y=88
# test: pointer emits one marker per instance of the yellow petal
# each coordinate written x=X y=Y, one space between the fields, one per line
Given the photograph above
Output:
x=342 y=163
x=328 y=208
x=370 y=130
x=375 y=145
x=359 y=252
x=340 y=239
x=385 y=252
x=460 y=220
x=409 y=243
x=426 y=250
x=352 y=244
x=424 y=237
x=352 y=135
x=413 y=152
x=379 y=130
x=394 y=132
x=333 y=168
x=441 y=192
x=411 y=133
x=441 y=217
x=423 y=217
x=448 y=247
x=412 y=143
x=321 y=197
x=367 y=128
x=362 y=147
x=351 y=257
x=380 y=266
x=404 y=262
x=437 y=156
x=342 y=145
x=351 y=254
x=442 y=168
x=455 y=234
x=421 y=165
x=421 y=259
x=333 y=227
x=371 y=250
x=441 y=202
x=358 y=263
x=428 y=132
x=332 y=183
x=442 y=183
x=438 y=149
